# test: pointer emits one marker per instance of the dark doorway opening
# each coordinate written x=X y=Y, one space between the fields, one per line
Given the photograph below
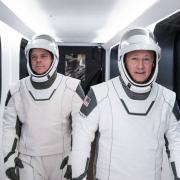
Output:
x=84 y=63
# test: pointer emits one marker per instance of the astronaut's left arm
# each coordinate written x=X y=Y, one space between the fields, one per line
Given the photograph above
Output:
x=173 y=137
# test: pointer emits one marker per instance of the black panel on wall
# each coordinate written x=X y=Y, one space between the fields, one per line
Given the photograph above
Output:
x=22 y=63
x=177 y=66
x=85 y=63
x=167 y=35
x=114 y=70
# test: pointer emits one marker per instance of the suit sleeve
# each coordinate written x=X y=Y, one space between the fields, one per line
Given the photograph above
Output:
x=11 y=132
x=83 y=135
x=173 y=137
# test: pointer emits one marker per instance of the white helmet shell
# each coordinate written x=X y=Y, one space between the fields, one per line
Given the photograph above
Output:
x=132 y=40
x=48 y=43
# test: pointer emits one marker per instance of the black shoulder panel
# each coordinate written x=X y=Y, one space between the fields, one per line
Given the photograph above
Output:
x=80 y=92
x=8 y=98
x=176 y=111
x=89 y=103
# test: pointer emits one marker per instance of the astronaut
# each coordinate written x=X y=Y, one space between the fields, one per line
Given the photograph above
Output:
x=132 y=113
x=39 y=112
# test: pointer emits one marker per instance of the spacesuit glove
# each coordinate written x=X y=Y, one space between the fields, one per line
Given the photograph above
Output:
x=13 y=172
x=173 y=166
x=68 y=173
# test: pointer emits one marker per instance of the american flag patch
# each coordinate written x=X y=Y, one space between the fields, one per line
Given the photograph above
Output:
x=86 y=101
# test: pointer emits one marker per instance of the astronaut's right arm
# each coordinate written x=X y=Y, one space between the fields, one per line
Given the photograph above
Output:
x=11 y=133
x=83 y=135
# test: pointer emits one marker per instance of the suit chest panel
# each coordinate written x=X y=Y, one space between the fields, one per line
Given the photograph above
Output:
x=142 y=123
x=57 y=107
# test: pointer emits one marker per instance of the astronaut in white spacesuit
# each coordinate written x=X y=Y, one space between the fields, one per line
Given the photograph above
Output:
x=132 y=113
x=39 y=114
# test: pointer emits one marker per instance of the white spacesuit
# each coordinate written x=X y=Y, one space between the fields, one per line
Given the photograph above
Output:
x=131 y=119
x=37 y=119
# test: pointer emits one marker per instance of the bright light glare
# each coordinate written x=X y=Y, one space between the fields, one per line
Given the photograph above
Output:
x=31 y=15
x=116 y=22
x=123 y=13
